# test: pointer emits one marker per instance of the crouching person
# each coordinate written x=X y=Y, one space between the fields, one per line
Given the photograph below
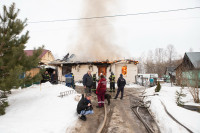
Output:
x=84 y=106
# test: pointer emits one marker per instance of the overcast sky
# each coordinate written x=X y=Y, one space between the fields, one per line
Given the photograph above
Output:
x=136 y=34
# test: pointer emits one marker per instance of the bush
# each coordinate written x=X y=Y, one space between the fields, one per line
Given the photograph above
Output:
x=157 y=89
x=3 y=105
x=179 y=96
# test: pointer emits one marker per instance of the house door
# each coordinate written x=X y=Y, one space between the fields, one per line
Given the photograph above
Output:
x=102 y=69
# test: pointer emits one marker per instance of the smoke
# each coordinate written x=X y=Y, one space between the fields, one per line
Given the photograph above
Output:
x=96 y=40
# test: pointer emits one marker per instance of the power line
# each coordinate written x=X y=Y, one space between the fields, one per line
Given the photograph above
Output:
x=118 y=15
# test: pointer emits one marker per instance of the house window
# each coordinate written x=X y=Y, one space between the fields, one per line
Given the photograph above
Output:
x=66 y=70
x=124 y=70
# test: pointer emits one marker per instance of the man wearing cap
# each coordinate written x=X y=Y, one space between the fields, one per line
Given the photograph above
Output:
x=121 y=82
x=87 y=82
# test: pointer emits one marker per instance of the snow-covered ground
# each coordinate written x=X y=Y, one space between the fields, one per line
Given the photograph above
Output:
x=38 y=109
x=167 y=95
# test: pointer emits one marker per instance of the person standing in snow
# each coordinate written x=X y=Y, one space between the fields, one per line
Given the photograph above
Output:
x=73 y=82
x=121 y=82
x=87 y=82
x=46 y=77
x=101 y=90
x=84 y=106
x=54 y=78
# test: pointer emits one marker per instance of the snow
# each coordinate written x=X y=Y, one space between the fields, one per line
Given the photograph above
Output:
x=38 y=109
x=167 y=95
x=78 y=84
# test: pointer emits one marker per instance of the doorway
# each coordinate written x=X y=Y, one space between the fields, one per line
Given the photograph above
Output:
x=102 y=69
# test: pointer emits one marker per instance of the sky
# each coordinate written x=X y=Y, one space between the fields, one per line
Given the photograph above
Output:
x=136 y=34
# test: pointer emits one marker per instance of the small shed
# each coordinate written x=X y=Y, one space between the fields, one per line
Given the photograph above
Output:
x=188 y=72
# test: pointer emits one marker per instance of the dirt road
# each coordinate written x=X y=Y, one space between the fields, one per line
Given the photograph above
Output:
x=120 y=118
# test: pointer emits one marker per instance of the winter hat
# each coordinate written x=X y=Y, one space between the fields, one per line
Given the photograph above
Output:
x=121 y=75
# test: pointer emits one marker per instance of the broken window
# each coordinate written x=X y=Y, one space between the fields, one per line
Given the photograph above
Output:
x=124 y=70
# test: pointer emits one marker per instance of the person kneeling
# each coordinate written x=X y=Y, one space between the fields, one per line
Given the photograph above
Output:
x=84 y=106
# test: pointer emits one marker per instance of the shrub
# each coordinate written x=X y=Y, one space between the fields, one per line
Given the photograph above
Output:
x=158 y=87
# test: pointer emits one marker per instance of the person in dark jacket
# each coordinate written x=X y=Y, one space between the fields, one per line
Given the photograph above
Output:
x=101 y=90
x=87 y=82
x=94 y=83
x=84 y=106
x=46 y=77
x=54 y=78
x=112 y=82
x=73 y=81
x=121 y=82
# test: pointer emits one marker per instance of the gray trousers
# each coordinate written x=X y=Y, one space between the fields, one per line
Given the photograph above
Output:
x=88 y=90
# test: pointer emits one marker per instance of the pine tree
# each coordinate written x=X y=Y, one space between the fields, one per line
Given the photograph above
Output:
x=13 y=60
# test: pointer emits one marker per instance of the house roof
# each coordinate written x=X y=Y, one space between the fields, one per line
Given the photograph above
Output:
x=30 y=52
x=194 y=58
x=93 y=62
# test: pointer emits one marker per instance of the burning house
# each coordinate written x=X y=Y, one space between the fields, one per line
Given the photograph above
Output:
x=96 y=47
x=126 y=67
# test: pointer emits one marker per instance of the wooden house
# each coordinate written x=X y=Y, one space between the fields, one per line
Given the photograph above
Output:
x=188 y=72
x=45 y=58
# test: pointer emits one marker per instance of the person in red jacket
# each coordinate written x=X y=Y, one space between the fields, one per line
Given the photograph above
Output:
x=101 y=90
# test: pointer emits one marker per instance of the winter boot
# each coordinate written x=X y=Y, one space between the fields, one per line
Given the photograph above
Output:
x=83 y=117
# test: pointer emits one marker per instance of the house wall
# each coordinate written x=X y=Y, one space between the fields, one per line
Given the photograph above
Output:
x=131 y=71
x=47 y=58
x=60 y=76
x=33 y=72
x=80 y=70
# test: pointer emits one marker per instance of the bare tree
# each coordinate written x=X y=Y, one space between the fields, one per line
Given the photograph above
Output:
x=141 y=65
x=149 y=63
x=171 y=53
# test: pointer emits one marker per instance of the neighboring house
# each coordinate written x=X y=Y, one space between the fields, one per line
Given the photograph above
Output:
x=45 y=58
x=126 y=67
x=170 y=74
x=188 y=72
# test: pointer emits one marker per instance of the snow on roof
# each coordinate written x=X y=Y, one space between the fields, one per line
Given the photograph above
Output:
x=194 y=58
x=30 y=52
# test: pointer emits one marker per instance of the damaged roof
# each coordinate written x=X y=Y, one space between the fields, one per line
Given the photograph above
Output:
x=94 y=62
